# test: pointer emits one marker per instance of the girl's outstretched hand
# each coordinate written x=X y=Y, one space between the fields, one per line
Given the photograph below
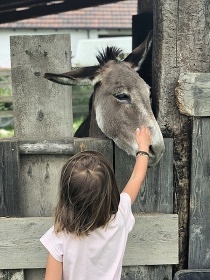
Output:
x=143 y=138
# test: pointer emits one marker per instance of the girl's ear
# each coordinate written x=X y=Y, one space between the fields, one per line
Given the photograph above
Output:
x=138 y=55
x=80 y=76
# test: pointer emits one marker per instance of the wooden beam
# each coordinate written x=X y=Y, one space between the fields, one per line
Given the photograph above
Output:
x=199 y=221
x=192 y=274
x=41 y=108
x=145 y=6
x=58 y=146
x=16 y=4
x=54 y=8
x=153 y=241
x=193 y=94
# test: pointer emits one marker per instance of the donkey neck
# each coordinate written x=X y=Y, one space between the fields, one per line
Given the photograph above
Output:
x=95 y=131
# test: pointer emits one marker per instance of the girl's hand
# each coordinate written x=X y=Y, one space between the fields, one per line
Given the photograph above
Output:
x=143 y=138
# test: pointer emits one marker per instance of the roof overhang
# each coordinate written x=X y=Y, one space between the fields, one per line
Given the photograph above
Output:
x=15 y=10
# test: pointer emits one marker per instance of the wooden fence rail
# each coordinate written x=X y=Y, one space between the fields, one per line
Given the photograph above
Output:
x=20 y=247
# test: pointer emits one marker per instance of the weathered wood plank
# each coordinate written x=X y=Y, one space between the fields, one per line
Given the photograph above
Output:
x=64 y=146
x=153 y=241
x=41 y=108
x=193 y=94
x=9 y=191
x=12 y=274
x=47 y=147
x=149 y=272
x=145 y=6
x=192 y=274
x=5 y=99
x=199 y=233
x=156 y=194
x=9 y=179
x=6 y=113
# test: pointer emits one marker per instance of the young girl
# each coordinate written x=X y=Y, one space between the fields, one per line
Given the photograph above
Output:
x=92 y=220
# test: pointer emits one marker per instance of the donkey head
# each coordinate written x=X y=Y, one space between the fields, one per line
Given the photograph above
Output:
x=121 y=99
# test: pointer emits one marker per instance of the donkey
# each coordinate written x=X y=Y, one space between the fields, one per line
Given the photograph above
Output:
x=121 y=99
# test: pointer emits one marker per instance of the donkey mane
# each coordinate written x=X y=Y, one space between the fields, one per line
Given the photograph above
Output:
x=109 y=53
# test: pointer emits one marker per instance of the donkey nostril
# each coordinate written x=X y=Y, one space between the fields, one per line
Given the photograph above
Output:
x=151 y=151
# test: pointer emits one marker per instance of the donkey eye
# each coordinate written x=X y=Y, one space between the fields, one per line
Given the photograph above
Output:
x=123 y=97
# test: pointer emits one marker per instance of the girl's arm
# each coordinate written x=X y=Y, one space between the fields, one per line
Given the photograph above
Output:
x=54 y=269
x=133 y=186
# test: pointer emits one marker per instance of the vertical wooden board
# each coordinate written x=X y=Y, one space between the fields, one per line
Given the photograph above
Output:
x=105 y=146
x=41 y=108
x=151 y=272
x=9 y=178
x=156 y=195
x=39 y=180
x=192 y=274
x=12 y=275
x=199 y=233
x=9 y=192
x=34 y=274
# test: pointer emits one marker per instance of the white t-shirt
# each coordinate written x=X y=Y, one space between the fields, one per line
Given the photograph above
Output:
x=97 y=256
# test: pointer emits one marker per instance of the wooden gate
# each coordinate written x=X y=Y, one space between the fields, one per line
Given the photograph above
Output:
x=30 y=164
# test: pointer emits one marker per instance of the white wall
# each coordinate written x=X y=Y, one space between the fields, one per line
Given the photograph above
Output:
x=76 y=36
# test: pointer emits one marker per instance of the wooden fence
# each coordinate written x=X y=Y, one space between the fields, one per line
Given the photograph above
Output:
x=30 y=164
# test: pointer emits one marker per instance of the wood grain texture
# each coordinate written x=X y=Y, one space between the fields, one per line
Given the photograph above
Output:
x=193 y=94
x=9 y=179
x=199 y=234
x=153 y=241
x=41 y=108
x=9 y=191
x=181 y=44
x=192 y=274
x=12 y=274
x=156 y=194
x=145 y=6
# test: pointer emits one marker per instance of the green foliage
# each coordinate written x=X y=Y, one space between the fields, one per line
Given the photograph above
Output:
x=6 y=133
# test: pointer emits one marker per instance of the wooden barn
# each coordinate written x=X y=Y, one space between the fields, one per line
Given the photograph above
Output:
x=171 y=238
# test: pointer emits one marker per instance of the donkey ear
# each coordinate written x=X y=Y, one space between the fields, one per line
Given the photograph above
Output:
x=138 y=55
x=80 y=76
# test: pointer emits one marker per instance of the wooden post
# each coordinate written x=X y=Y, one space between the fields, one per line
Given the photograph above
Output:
x=41 y=108
x=145 y=6
x=193 y=93
x=181 y=44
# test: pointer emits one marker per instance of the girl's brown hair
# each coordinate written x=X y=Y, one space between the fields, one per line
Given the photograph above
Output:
x=89 y=196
